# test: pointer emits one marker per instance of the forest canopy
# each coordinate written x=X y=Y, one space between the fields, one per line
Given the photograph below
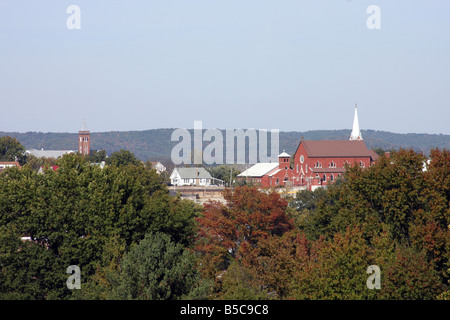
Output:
x=132 y=240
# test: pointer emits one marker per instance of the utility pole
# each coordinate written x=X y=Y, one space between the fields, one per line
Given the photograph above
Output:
x=231 y=174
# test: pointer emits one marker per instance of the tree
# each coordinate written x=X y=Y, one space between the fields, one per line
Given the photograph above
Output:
x=224 y=172
x=228 y=231
x=158 y=269
x=122 y=158
x=272 y=264
x=97 y=156
x=334 y=269
x=305 y=204
x=27 y=269
x=406 y=199
x=73 y=215
x=12 y=150
x=36 y=163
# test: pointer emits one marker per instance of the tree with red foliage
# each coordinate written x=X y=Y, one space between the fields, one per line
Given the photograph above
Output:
x=228 y=231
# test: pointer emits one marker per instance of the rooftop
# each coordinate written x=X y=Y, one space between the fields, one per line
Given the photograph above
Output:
x=48 y=153
x=192 y=173
x=258 y=170
x=337 y=148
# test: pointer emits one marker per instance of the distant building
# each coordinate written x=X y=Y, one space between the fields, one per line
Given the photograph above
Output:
x=158 y=166
x=48 y=153
x=84 y=140
x=84 y=146
x=9 y=164
x=257 y=173
x=318 y=163
x=190 y=177
x=315 y=163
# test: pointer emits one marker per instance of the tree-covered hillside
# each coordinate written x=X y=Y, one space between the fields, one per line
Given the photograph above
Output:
x=156 y=144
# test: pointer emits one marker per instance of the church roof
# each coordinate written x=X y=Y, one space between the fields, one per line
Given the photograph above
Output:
x=356 y=133
x=336 y=148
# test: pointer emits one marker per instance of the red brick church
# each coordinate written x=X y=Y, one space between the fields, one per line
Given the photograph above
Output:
x=315 y=164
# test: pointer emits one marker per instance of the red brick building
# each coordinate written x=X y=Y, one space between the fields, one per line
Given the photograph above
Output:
x=318 y=163
x=315 y=163
x=84 y=140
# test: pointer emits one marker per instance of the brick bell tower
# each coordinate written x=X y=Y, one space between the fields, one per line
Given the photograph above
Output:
x=84 y=140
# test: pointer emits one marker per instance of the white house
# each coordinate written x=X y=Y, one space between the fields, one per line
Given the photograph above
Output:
x=190 y=177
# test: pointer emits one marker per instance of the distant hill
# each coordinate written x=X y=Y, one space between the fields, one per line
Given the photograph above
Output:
x=155 y=144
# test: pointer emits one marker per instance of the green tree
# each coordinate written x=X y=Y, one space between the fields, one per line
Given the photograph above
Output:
x=158 y=269
x=224 y=172
x=28 y=270
x=12 y=150
x=97 y=156
x=405 y=199
x=75 y=212
x=36 y=163
x=122 y=158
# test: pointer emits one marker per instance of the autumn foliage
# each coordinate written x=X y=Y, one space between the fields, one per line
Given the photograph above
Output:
x=394 y=214
x=229 y=231
x=134 y=240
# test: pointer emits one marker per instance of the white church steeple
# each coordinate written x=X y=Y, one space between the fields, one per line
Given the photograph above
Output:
x=356 y=134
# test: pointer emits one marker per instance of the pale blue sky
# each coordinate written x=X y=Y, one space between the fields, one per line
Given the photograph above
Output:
x=265 y=64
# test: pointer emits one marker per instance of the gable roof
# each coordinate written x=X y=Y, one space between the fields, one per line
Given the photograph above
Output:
x=258 y=170
x=283 y=155
x=193 y=173
x=336 y=148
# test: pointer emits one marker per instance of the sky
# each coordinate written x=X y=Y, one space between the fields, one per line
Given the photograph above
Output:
x=291 y=65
